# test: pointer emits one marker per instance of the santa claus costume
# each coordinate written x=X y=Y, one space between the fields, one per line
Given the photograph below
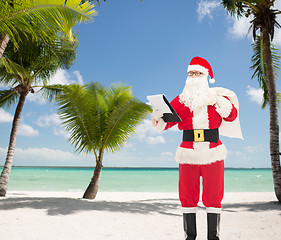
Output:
x=206 y=113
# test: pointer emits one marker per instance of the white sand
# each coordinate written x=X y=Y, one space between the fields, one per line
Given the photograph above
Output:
x=131 y=216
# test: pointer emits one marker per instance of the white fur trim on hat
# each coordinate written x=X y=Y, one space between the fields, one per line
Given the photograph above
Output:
x=211 y=80
x=198 y=68
x=201 y=155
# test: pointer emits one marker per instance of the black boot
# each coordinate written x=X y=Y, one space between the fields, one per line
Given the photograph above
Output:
x=189 y=226
x=213 y=220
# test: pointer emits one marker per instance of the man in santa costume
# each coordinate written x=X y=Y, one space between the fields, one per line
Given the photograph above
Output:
x=206 y=113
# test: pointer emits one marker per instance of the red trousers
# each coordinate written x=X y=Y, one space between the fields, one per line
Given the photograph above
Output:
x=213 y=184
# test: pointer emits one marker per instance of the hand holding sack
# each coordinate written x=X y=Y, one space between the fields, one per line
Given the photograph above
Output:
x=223 y=106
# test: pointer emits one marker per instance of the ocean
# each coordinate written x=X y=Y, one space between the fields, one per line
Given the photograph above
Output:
x=128 y=179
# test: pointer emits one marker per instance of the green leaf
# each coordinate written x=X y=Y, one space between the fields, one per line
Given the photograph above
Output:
x=50 y=92
x=8 y=98
x=43 y=19
x=15 y=69
x=35 y=62
x=259 y=68
x=100 y=118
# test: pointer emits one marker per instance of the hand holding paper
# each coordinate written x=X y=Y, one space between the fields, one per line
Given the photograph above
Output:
x=162 y=108
x=157 y=114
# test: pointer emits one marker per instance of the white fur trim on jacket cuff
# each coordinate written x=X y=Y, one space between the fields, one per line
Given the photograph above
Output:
x=158 y=124
x=223 y=107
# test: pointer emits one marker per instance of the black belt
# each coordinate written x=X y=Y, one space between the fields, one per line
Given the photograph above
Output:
x=201 y=135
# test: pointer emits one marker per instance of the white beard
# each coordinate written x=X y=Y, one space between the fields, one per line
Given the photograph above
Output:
x=197 y=94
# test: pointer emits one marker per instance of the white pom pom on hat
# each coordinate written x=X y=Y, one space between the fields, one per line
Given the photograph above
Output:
x=201 y=65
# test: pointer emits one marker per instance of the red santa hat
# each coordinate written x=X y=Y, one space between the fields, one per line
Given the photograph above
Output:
x=201 y=65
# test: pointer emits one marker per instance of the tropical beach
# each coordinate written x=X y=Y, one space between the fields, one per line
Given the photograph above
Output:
x=129 y=206
x=84 y=155
x=131 y=215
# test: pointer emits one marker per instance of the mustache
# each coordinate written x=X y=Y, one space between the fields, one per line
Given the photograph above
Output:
x=196 y=79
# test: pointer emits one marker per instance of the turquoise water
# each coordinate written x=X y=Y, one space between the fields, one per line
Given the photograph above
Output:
x=123 y=179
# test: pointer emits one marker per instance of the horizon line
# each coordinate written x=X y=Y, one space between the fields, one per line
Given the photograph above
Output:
x=14 y=166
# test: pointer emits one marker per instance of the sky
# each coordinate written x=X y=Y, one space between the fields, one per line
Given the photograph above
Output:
x=148 y=45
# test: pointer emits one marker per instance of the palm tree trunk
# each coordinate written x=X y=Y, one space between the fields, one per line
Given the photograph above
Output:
x=273 y=107
x=5 y=175
x=3 y=44
x=93 y=187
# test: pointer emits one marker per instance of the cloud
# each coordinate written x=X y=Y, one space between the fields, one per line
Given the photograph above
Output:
x=61 y=77
x=129 y=145
x=5 y=116
x=48 y=120
x=46 y=153
x=41 y=154
x=79 y=77
x=155 y=140
x=144 y=128
x=167 y=154
x=145 y=132
x=277 y=35
x=60 y=131
x=66 y=78
x=26 y=130
x=251 y=156
x=240 y=27
x=206 y=8
x=256 y=94
x=55 y=122
x=255 y=148
x=36 y=98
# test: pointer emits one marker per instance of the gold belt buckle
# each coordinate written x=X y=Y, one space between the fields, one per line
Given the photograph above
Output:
x=199 y=135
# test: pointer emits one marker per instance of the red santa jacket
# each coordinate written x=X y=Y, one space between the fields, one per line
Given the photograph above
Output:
x=208 y=117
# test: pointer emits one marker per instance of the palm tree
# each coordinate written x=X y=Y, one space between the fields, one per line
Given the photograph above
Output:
x=264 y=20
x=99 y=119
x=42 y=19
x=259 y=68
x=28 y=68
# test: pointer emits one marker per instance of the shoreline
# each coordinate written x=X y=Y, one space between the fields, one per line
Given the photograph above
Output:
x=133 y=168
x=131 y=215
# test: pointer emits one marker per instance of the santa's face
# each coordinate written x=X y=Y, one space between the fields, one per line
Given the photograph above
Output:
x=196 y=93
x=197 y=80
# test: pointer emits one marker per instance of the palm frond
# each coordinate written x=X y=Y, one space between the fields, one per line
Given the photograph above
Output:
x=98 y=1
x=8 y=98
x=122 y=123
x=79 y=117
x=6 y=78
x=38 y=60
x=259 y=67
x=44 y=19
x=99 y=108
x=65 y=52
x=100 y=118
x=50 y=92
x=234 y=7
x=15 y=69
